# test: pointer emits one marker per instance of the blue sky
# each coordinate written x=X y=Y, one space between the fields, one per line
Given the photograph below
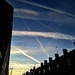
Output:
x=40 y=29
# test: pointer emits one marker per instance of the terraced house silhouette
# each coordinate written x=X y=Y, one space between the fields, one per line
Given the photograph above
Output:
x=64 y=65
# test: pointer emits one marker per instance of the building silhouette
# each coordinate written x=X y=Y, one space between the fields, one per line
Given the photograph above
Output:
x=64 y=65
x=6 y=18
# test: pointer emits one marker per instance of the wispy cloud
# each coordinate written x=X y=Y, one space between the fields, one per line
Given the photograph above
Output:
x=14 y=52
x=53 y=35
x=19 y=69
x=47 y=16
x=46 y=7
x=17 y=65
x=21 y=51
x=26 y=11
x=28 y=50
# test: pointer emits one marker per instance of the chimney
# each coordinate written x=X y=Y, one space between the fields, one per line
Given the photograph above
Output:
x=41 y=64
x=45 y=62
x=65 y=51
x=34 y=68
x=31 y=70
x=50 y=59
x=56 y=56
x=74 y=43
x=27 y=73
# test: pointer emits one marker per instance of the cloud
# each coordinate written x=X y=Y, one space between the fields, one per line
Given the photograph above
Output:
x=18 y=66
x=29 y=50
x=46 y=7
x=47 y=16
x=19 y=69
x=53 y=35
x=26 y=11
x=22 y=52
x=14 y=51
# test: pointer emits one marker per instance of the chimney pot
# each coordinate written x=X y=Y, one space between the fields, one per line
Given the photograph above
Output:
x=50 y=59
x=65 y=51
x=45 y=62
x=41 y=64
x=56 y=56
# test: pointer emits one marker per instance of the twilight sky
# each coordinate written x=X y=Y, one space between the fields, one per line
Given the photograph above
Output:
x=41 y=28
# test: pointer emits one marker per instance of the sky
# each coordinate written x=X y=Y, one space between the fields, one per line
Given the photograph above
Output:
x=41 y=28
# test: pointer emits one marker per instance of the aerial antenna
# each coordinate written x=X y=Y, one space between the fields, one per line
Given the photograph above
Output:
x=57 y=49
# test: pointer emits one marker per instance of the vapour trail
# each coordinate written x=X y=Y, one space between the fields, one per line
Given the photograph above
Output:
x=45 y=26
x=46 y=7
x=52 y=29
x=27 y=55
x=37 y=41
